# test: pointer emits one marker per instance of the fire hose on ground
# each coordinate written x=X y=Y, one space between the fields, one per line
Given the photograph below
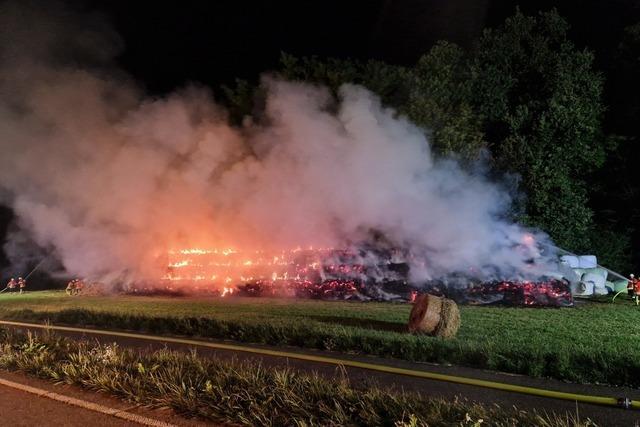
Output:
x=620 y=402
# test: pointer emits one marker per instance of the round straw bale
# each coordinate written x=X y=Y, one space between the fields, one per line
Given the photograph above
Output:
x=434 y=316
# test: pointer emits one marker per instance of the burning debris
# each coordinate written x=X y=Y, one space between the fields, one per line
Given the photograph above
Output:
x=544 y=292
x=354 y=274
x=302 y=273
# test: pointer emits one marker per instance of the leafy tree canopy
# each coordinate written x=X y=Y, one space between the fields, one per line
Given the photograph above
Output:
x=541 y=103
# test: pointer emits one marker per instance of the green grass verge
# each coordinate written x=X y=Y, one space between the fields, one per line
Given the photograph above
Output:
x=593 y=343
x=242 y=393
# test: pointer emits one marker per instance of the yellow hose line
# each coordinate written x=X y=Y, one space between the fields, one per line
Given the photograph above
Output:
x=598 y=400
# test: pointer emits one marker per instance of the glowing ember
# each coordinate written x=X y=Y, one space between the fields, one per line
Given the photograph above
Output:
x=232 y=266
x=547 y=292
x=309 y=273
x=339 y=274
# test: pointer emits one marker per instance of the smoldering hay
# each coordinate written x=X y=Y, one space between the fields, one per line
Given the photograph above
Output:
x=107 y=178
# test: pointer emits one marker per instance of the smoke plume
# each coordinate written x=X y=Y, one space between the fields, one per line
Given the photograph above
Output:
x=108 y=179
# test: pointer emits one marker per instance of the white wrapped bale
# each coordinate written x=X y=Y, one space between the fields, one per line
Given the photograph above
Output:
x=587 y=261
x=610 y=286
x=579 y=272
x=582 y=288
x=620 y=285
x=599 y=271
x=570 y=260
x=595 y=278
x=600 y=290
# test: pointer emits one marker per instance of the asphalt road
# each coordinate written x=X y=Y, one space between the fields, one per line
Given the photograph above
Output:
x=602 y=415
x=21 y=408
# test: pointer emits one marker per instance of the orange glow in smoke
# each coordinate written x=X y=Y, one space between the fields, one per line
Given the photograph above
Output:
x=528 y=239
x=222 y=268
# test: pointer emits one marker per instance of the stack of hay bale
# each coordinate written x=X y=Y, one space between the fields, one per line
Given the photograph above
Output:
x=587 y=278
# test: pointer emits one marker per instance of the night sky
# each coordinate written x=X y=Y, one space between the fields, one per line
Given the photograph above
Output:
x=167 y=44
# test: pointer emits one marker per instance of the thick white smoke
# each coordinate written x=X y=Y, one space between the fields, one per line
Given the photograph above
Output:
x=108 y=179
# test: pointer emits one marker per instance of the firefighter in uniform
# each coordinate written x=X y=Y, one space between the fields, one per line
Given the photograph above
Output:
x=79 y=286
x=22 y=284
x=11 y=286
x=633 y=288
x=71 y=287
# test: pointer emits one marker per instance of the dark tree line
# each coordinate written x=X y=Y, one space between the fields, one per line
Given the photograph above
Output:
x=527 y=96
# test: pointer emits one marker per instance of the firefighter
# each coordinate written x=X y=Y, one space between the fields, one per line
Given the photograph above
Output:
x=635 y=283
x=22 y=284
x=71 y=287
x=79 y=286
x=11 y=286
x=633 y=288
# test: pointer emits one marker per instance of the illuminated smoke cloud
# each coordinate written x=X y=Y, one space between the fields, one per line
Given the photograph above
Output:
x=108 y=179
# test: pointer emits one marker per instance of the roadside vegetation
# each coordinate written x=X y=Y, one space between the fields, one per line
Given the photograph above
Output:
x=591 y=343
x=242 y=393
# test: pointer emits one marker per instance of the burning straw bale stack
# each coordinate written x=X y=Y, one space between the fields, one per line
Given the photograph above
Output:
x=436 y=316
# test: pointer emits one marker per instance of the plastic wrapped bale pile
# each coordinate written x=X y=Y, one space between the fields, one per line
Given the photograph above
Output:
x=587 y=278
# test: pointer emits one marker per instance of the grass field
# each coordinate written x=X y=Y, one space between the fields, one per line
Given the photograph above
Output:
x=593 y=342
x=245 y=393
